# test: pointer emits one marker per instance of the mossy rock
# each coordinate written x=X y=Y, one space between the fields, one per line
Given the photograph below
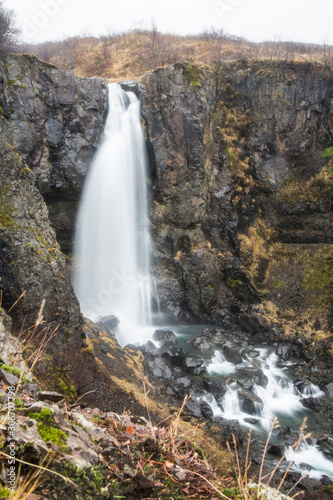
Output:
x=48 y=429
x=193 y=75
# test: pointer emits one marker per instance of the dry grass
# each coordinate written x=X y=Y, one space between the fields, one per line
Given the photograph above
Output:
x=132 y=54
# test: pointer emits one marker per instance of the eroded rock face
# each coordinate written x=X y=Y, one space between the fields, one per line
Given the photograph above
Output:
x=57 y=120
x=30 y=258
x=224 y=146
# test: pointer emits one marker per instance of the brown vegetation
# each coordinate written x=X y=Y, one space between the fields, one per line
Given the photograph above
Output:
x=8 y=30
x=121 y=56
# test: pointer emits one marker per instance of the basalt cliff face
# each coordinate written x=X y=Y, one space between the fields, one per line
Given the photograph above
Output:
x=242 y=199
x=57 y=120
x=241 y=196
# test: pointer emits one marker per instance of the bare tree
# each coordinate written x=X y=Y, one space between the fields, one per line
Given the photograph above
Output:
x=8 y=30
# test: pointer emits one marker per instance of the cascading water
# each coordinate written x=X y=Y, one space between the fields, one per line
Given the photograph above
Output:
x=112 y=241
x=278 y=396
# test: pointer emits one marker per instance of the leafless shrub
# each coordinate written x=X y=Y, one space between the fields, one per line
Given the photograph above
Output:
x=8 y=31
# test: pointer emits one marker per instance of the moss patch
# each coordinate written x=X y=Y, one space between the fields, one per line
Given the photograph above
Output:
x=47 y=428
x=193 y=75
x=15 y=371
x=318 y=277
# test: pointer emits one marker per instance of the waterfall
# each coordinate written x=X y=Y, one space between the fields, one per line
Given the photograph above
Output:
x=112 y=240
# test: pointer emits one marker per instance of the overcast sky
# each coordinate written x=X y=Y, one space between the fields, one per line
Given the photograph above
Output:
x=257 y=20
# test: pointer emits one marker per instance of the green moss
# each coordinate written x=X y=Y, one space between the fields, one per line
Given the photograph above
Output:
x=193 y=75
x=47 y=428
x=6 y=220
x=327 y=153
x=5 y=492
x=279 y=284
x=90 y=482
x=318 y=277
x=15 y=371
x=231 y=492
x=329 y=490
x=56 y=436
x=96 y=418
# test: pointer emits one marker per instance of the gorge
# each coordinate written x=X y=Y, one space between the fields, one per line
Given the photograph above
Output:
x=241 y=202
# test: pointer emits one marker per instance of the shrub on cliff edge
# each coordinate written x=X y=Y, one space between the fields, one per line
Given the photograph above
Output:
x=8 y=30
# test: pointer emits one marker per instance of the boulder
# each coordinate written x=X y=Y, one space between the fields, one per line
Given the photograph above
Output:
x=254 y=374
x=249 y=402
x=217 y=389
x=109 y=323
x=206 y=410
x=232 y=355
x=8 y=378
x=194 y=365
x=165 y=336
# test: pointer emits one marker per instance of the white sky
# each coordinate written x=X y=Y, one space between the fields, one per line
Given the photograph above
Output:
x=257 y=20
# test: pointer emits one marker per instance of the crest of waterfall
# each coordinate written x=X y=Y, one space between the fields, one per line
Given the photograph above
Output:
x=112 y=241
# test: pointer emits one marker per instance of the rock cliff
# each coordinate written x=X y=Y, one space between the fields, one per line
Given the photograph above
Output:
x=57 y=119
x=235 y=153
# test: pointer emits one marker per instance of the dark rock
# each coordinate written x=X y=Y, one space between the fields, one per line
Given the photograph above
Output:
x=149 y=348
x=255 y=374
x=220 y=402
x=276 y=450
x=160 y=369
x=246 y=384
x=231 y=355
x=208 y=333
x=32 y=388
x=185 y=381
x=250 y=323
x=262 y=338
x=53 y=397
x=329 y=390
x=110 y=323
x=165 y=336
x=313 y=403
x=217 y=389
x=325 y=444
x=175 y=354
x=8 y=378
x=194 y=365
x=251 y=353
x=249 y=402
x=229 y=429
x=193 y=408
x=131 y=86
x=201 y=344
x=252 y=421
x=206 y=410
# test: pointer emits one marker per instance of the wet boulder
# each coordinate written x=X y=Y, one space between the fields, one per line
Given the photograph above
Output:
x=160 y=369
x=215 y=388
x=325 y=444
x=194 y=365
x=206 y=410
x=246 y=384
x=173 y=354
x=249 y=402
x=109 y=323
x=164 y=336
x=202 y=345
x=254 y=374
x=193 y=407
x=232 y=355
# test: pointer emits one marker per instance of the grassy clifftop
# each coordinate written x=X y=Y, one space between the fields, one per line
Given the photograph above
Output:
x=121 y=56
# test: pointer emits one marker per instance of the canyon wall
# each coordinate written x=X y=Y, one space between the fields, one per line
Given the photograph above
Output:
x=239 y=185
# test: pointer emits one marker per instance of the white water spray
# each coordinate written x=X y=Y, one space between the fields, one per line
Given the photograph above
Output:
x=112 y=241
